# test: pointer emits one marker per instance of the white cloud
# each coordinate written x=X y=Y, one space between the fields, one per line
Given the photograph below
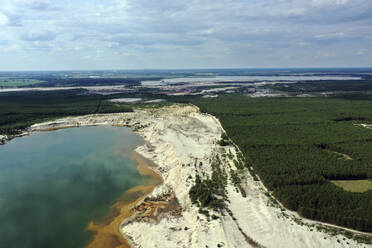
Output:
x=329 y=36
x=362 y=52
x=172 y=33
x=329 y=2
x=3 y=20
x=39 y=36
x=323 y=54
x=302 y=44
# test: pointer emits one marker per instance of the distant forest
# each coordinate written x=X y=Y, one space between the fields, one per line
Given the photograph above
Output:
x=64 y=82
x=19 y=110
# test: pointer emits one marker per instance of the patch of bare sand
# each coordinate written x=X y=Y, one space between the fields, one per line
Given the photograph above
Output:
x=343 y=155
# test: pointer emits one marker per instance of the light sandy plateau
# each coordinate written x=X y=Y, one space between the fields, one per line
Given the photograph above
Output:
x=177 y=139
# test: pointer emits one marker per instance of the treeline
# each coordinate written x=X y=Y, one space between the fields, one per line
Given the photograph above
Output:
x=20 y=110
x=326 y=86
x=62 y=82
x=291 y=144
x=329 y=203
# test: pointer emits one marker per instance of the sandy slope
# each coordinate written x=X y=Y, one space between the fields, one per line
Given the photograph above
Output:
x=177 y=138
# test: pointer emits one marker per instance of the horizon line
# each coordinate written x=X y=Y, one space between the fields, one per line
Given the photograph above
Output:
x=184 y=69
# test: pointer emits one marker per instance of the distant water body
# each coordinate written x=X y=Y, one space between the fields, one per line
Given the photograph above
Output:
x=244 y=78
x=52 y=184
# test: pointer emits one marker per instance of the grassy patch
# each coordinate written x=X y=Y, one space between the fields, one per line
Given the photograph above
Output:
x=354 y=185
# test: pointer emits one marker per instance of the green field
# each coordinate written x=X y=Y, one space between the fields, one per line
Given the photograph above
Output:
x=8 y=82
x=354 y=185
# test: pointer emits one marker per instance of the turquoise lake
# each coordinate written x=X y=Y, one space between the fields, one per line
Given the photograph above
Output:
x=53 y=183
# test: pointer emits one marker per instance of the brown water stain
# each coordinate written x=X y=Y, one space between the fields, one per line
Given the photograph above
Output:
x=107 y=233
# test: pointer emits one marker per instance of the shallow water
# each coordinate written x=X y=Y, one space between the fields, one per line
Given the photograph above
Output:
x=244 y=78
x=52 y=184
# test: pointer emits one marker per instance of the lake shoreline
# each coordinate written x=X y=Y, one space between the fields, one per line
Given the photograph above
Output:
x=182 y=141
x=108 y=234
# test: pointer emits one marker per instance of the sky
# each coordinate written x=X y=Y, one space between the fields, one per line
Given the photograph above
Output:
x=170 y=34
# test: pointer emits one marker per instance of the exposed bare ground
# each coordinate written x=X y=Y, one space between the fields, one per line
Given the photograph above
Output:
x=343 y=155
